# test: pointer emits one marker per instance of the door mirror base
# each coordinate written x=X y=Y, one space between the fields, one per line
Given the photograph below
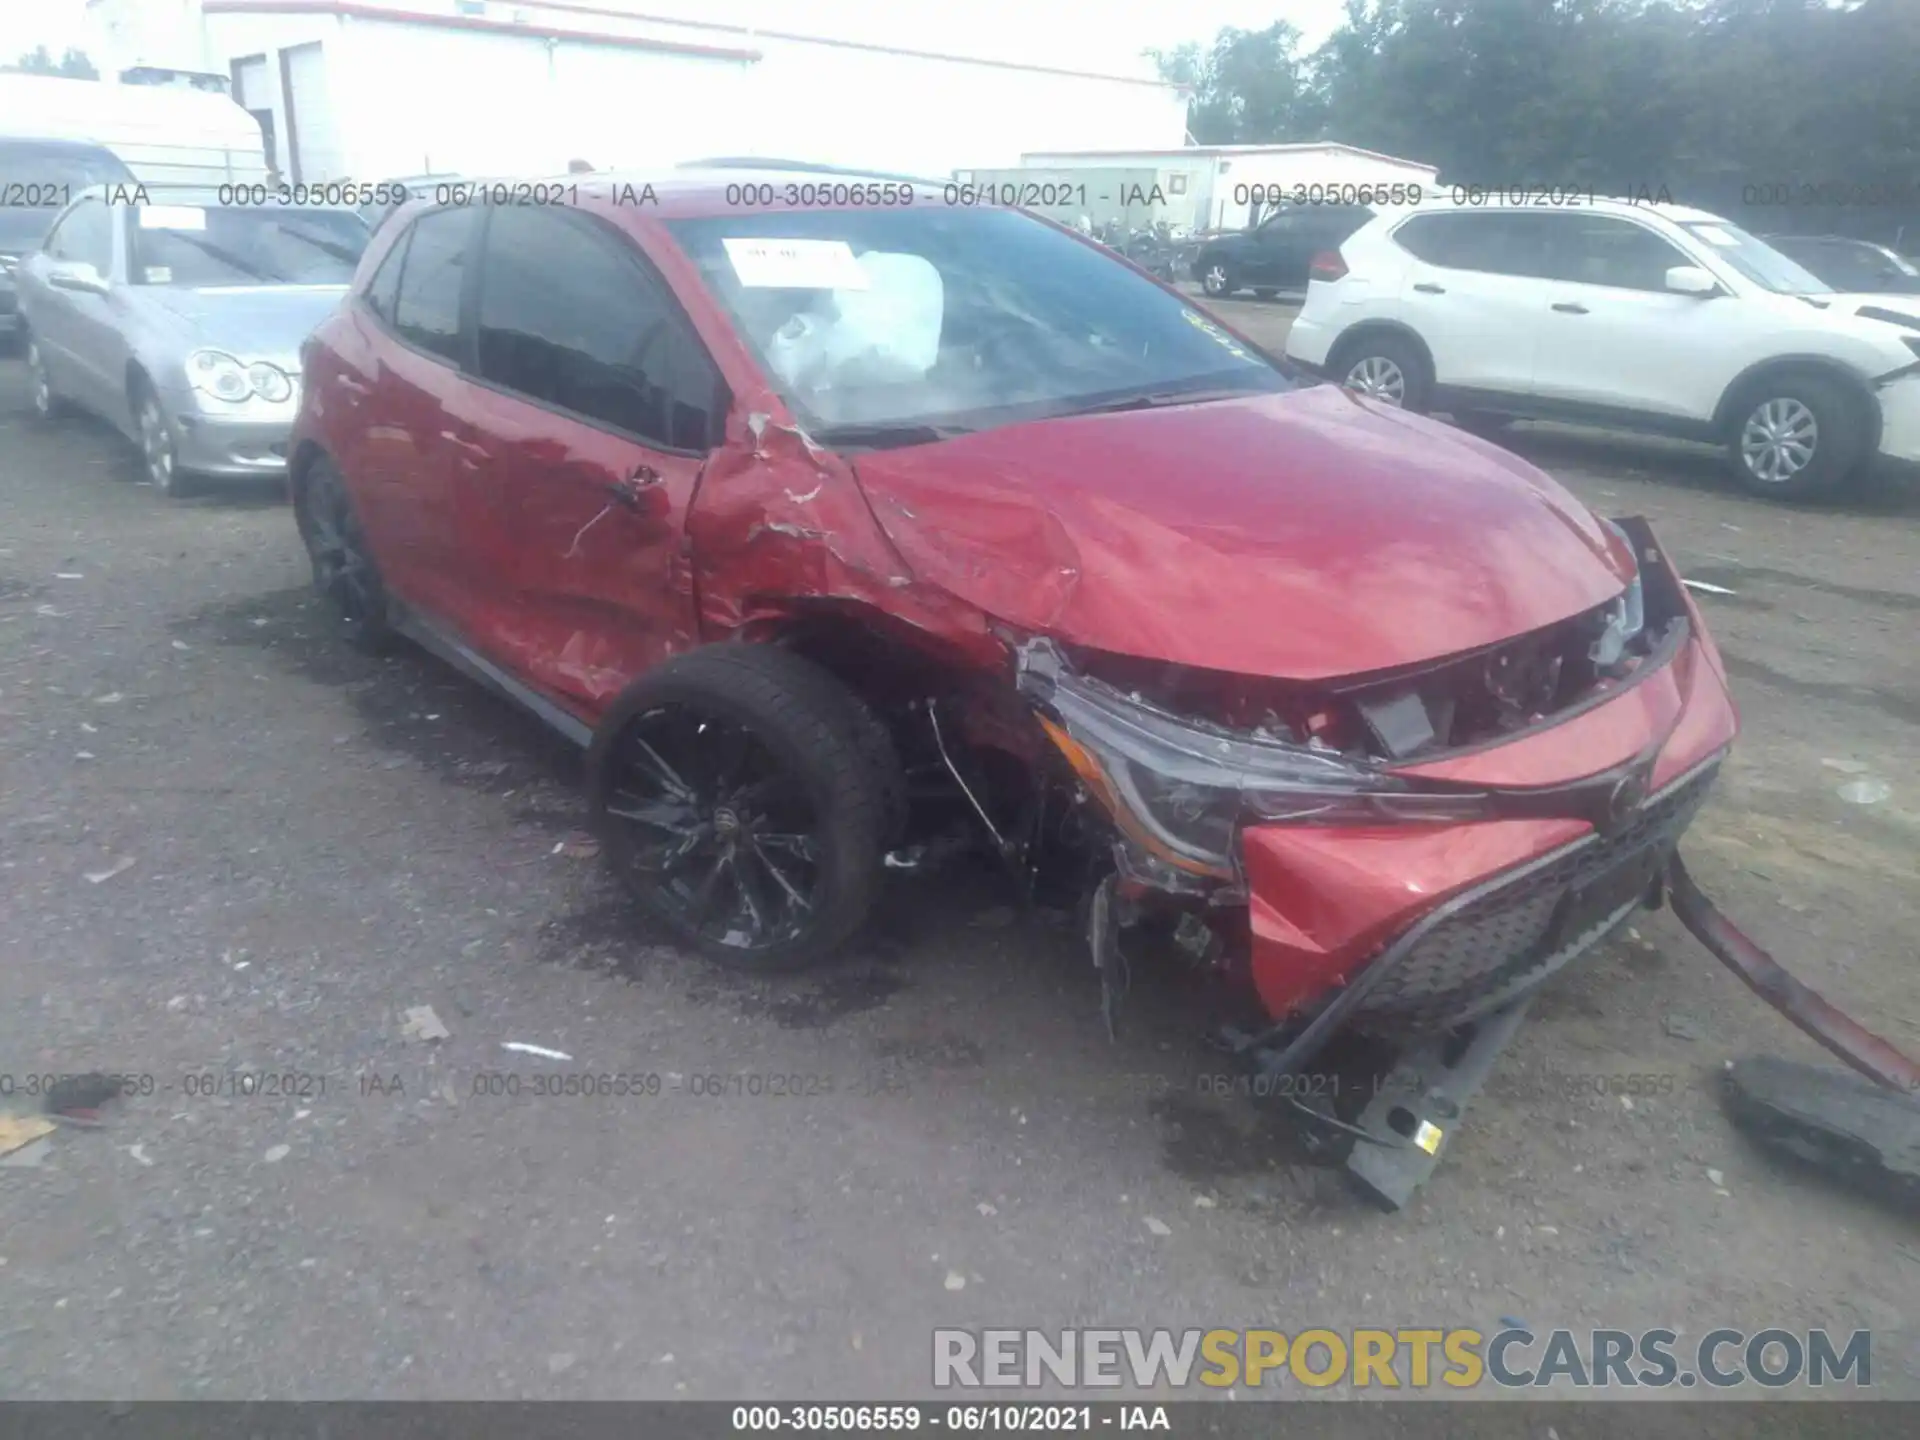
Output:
x=78 y=276
x=1692 y=280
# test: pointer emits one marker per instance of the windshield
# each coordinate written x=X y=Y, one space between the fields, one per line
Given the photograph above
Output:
x=214 y=245
x=924 y=322
x=1755 y=259
x=40 y=180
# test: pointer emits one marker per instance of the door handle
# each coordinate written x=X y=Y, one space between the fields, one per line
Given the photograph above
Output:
x=1429 y=289
x=633 y=491
x=466 y=449
x=1568 y=307
x=352 y=386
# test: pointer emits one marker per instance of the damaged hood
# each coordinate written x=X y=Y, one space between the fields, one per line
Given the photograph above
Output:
x=1307 y=535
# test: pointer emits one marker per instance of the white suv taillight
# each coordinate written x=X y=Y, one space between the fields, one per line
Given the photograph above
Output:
x=1327 y=265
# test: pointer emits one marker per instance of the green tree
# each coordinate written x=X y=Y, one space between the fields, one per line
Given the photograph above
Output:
x=1249 y=86
x=73 y=64
x=1711 y=101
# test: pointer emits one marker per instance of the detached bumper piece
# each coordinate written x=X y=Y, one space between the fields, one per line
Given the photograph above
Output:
x=1861 y=1134
x=1413 y=1113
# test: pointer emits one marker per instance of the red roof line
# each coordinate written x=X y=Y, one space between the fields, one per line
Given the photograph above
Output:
x=349 y=10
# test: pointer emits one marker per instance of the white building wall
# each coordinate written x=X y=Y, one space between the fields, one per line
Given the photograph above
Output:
x=391 y=98
x=839 y=106
x=636 y=109
x=235 y=37
x=484 y=111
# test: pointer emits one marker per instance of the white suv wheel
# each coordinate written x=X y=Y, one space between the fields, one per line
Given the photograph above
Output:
x=1378 y=377
x=1778 y=440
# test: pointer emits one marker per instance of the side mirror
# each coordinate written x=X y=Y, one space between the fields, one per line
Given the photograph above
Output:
x=77 y=275
x=1692 y=280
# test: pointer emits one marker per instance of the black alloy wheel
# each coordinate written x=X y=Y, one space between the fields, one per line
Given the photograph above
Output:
x=344 y=572
x=740 y=798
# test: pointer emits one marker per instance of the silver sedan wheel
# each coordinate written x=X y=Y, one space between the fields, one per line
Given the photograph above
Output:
x=1214 y=282
x=42 y=386
x=156 y=445
x=1778 y=441
x=1378 y=377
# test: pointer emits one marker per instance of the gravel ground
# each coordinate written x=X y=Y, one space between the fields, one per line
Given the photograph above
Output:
x=228 y=845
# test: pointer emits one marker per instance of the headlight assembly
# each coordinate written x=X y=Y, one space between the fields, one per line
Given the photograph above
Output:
x=1182 y=788
x=1625 y=619
x=215 y=373
x=269 y=382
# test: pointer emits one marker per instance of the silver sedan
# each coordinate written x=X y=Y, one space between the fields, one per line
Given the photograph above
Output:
x=179 y=321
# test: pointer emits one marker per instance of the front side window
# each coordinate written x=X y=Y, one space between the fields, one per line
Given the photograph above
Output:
x=426 y=306
x=1600 y=250
x=885 y=325
x=85 y=235
x=571 y=318
x=216 y=245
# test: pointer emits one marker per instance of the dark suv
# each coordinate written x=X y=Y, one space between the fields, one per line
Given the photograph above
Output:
x=1853 y=267
x=1276 y=254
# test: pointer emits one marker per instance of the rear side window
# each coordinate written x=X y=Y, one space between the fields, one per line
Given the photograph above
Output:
x=1492 y=243
x=571 y=317
x=426 y=307
x=1335 y=223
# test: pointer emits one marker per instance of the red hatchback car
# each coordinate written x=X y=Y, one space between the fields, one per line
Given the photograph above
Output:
x=801 y=517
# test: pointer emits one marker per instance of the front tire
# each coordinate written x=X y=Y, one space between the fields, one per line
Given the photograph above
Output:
x=1216 y=279
x=739 y=797
x=159 y=452
x=47 y=404
x=1801 y=437
x=1484 y=423
x=344 y=572
x=1388 y=368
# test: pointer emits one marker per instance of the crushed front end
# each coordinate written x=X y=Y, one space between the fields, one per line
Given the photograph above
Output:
x=1410 y=854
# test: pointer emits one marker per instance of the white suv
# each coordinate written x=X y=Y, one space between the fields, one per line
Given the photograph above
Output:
x=1646 y=317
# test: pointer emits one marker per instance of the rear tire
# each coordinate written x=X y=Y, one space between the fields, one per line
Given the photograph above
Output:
x=741 y=797
x=1799 y=437
x=48 y=407
x=344 y=572
x=1389 y=368
x=1484 y=423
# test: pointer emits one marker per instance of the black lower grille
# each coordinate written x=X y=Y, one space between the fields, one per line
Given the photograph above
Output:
x=1515 y=934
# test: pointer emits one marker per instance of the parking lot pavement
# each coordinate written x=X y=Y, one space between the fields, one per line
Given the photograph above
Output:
x=231 y=848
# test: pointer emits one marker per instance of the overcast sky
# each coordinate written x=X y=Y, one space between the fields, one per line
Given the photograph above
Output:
x=1082 y=34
